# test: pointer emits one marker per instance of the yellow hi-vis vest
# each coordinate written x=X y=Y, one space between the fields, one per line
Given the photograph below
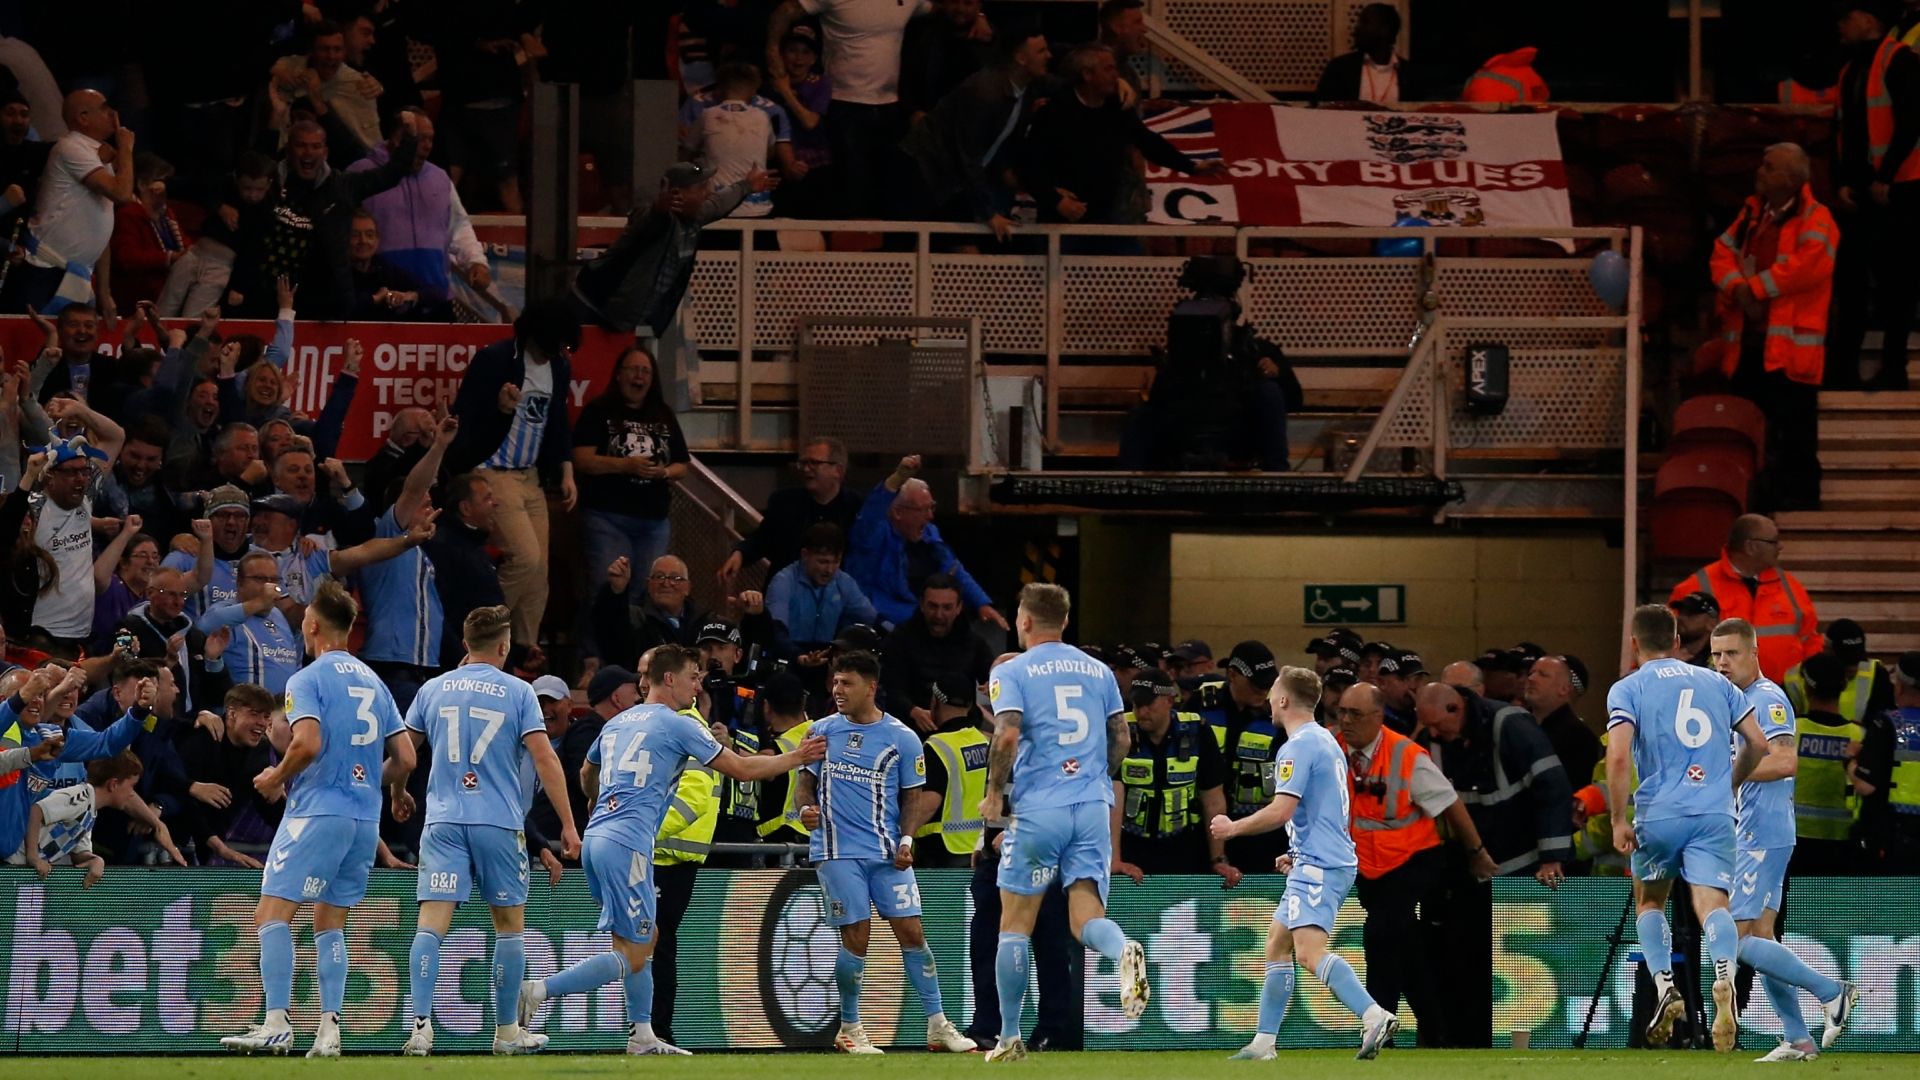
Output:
x=741 y=798
x=686 y=834
x=1250 y=783
x=1904 y=782
x=964 y=755
x=789 y=815
x=1823 y=803
x=1853 y=700
x=1154 y=808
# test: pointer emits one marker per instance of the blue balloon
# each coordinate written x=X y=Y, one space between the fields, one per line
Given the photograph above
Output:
x=1609 y=276
x=1386 y=248
x=1408 y=222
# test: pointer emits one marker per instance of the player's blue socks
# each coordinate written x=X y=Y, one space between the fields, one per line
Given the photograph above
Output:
x=1786 y=1005
x=1770 y=958
x=926 y=980
x=1105 y=937
x=639 y=987
x=1656 y=942
x=848 y=970
x=423 y=966
x=1010 y=967
x=588 y=974
x=276 y=965
x=1723 y=943
x=1339 y=977
x=330 y=961
x=509 y=967
x=1274 y=996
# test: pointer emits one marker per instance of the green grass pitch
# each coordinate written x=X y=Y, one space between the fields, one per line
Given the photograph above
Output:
x=1423 y=1064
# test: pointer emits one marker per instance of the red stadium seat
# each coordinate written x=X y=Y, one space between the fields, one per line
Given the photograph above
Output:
x=1720 y=420
x=1696 y=496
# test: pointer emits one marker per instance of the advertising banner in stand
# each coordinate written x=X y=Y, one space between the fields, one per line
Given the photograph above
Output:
x=404 y=364
x=165 y=961
x=1294 y=166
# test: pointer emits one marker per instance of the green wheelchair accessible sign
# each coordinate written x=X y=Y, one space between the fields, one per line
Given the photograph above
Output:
x=1353 y=605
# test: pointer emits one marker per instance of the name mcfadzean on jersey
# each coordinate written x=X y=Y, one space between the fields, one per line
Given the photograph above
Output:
x=1064 y=667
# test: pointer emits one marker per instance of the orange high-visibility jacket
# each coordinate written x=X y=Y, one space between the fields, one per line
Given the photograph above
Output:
x=1796 y=288
x=1388 y=828
x=1880 y=114
x=1508 y=77
x=1780 y=610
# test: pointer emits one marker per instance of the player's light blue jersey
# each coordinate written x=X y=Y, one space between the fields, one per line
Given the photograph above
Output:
x=860 y=780
x=1683 y=718
x=356 y=716
x=403 y=604
x=641 y=753
x=1064 y=698
x=1312 y=769
x=1766 y=808
x=476 y=719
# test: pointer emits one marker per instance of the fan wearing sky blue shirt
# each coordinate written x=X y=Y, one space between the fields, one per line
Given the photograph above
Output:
x=1672 y=724
x=1764 y=839
x=862 y=844
x=404 y=614
x=631 y=774
x=347 y=741
x=488 y=741
x=1313 y=799
x=1060 y=733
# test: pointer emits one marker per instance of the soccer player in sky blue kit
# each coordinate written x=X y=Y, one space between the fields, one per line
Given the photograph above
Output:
x=1312 y=796
x=347 y=741
x=1672 y=724
x=862 y=845
x=478 y=794
x=631 y=774
x=1763 y=845
x=1060 y=734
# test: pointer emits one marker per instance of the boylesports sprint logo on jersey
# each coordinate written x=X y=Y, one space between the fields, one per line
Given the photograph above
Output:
x=613 y=802
x=1777 y=713
x=1069 y=767
x=359 y=774
x=1696 y=774
x=471 y=781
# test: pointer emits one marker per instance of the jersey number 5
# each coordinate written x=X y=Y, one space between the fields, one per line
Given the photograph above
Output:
x=1063 y=697
x=1692 y=725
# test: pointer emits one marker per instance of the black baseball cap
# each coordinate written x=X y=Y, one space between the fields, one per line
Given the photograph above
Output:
x=279 y=503
x=1404 y=663
x=606 y=681
x=1908 y=667
x=1696 y=603
x=953 y=688
x=1192 y=649
x=1529 y=651
x=723 y=632
x=1502 y=660
x=1126 y=657
x=1339 y=678
x=783 y=692
x=1846 y=640
x=1254 y=661
x=1340 y=642
x=1377 y=648
x=1152 y=683
x=1826 y=674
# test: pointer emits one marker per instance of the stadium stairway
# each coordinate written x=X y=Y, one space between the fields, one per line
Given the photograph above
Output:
x=1857 y=555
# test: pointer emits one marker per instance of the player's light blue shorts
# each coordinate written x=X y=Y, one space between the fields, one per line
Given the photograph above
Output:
x=1759 y=881
x=856 y=888
x=454 y=856
x=1071 y=843
x=321 y=860
x=621 y=881
x=1313 y=897
x=1698 y=849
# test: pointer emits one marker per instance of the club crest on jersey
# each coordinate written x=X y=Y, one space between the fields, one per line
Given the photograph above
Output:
x=854 y=739
x=1070 y=767
x=839 y=909
x=359 y=774
x=471 y=781
x=1696 y=774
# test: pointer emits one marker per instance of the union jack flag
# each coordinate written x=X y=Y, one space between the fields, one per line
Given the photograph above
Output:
x=1189 y=128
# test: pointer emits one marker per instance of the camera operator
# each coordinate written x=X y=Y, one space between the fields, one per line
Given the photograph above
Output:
x=1222 y=393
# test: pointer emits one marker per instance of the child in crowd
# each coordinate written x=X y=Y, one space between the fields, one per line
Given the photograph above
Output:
x=60 y=825
x=732 y=132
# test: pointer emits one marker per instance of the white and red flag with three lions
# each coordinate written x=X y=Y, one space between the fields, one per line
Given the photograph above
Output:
x=1295 y=166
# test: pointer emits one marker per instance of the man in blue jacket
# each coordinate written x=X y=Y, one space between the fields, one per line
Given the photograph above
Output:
x=896 y=547
x=515 y=429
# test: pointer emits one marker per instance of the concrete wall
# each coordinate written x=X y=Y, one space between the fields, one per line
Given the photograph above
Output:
x=1464 y=593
